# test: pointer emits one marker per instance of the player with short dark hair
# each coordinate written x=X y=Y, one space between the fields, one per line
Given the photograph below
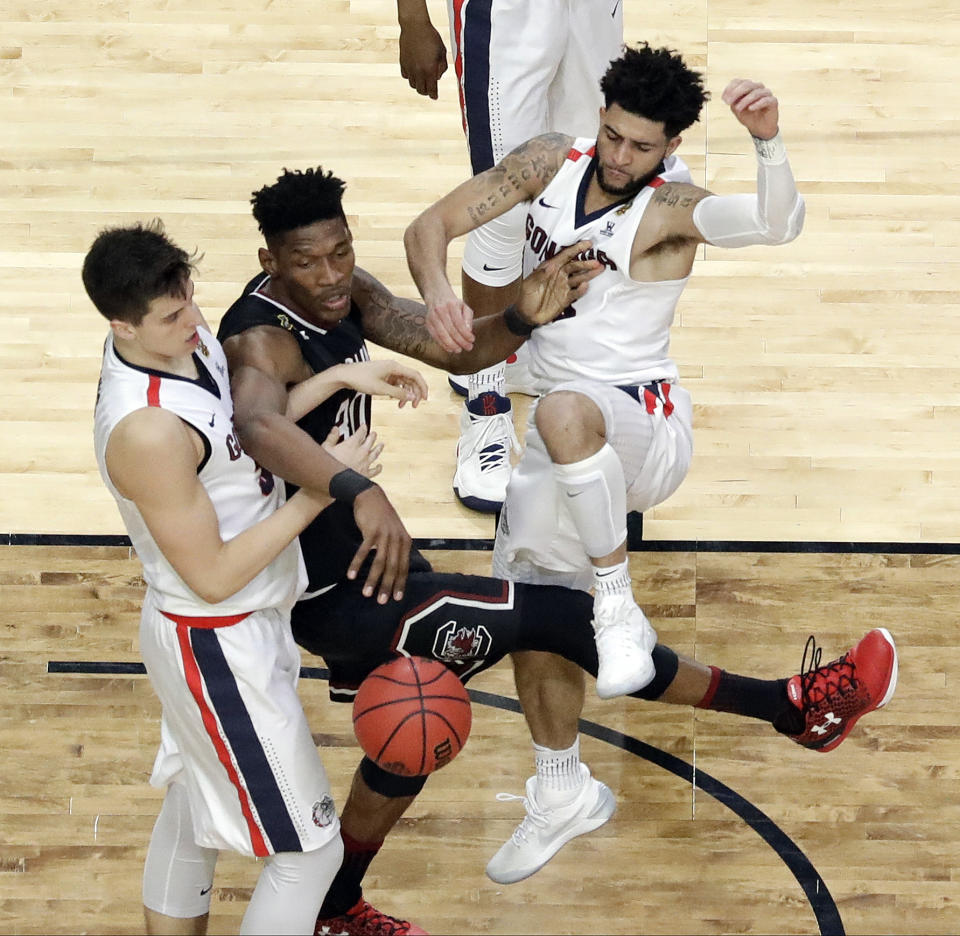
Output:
x=311 y=308
x=126 y=268
x=222 y=567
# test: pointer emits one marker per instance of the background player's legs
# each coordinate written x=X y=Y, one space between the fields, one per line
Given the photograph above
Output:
x=510 y=51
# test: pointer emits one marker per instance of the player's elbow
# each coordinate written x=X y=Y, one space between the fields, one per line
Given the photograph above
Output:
x=211 y=594
x=790 y=226
x=254 y=430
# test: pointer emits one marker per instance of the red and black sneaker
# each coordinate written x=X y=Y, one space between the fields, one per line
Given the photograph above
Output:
x=834 y=696
x=363 y=919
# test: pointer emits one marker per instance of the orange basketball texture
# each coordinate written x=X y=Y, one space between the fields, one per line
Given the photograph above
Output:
x=412 y=716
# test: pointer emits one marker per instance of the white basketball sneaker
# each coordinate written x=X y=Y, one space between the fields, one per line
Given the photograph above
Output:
x=545 y=831
x=625 y=642
x=487 y=439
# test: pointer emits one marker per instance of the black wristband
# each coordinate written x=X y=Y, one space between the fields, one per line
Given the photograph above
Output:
x=347 y=484
x=516 y=325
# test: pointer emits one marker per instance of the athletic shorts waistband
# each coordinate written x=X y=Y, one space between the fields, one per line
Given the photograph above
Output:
x=206 y=623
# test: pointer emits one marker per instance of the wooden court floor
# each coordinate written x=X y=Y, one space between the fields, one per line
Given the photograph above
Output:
x=771 y=838
x=824 y=496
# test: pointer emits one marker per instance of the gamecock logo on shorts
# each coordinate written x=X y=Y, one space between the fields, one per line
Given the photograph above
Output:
x=456 y=641
x=324 y=811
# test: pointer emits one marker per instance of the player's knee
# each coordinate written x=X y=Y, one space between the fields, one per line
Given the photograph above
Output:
x=291 y=870
x=666 y=663
x=570 y=424
x=387 y=784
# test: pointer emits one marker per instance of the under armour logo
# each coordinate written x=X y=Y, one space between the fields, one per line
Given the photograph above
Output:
x=825 y=727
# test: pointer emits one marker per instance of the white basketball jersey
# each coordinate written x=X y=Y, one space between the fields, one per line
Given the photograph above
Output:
x=619 y=331
x=241 y=493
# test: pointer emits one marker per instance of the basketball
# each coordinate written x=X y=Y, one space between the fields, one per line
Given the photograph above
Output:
x=412 y=716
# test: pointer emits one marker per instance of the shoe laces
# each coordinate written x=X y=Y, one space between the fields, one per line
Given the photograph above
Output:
x=534 y=819
x=493 y=439
x=368 y=919
x=821 y=682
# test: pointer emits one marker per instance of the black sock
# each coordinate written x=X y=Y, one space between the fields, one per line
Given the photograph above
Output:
x=765 y=699
x=346 y=889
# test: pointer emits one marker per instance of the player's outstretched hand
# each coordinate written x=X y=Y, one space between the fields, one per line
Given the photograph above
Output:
x=384 y=533
x=754 y=105
x=423 y=57
x=555 y=284
x=387 y=378
x=361 y=451
x=450 y=323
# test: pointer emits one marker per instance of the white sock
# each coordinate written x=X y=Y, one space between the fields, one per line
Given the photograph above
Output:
x=612 y=581
x=486 y=381
x=559 y=777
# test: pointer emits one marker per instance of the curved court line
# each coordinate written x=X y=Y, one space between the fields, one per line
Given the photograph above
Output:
x=821 y=902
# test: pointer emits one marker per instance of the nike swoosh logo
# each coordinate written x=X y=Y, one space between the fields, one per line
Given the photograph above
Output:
x=491 y=269
x=206 y=890
x=545 y=205
x=213 y=419
x=574 y=493
x=614 y=12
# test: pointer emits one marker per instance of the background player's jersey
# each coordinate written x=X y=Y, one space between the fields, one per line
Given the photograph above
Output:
x=619 y=331
x=330 y=542
x=241 y=493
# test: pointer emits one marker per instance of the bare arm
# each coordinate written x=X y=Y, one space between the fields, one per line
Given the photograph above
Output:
x=520 y=176
x=263 y=362
x=423 y=56
x=378 y=378
x=152 y=458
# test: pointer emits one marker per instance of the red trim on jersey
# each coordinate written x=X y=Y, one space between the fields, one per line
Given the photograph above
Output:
x=458 y=57
x=575 y=154
x=206 y=622
x=195 y=684
x=657 y=182
x=153 y=391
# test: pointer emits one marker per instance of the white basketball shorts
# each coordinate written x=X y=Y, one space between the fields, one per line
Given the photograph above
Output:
x=651 y=432
x=233 y=731
x=527 y=67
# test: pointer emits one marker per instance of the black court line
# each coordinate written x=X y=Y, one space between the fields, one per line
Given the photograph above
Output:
x=634 y=545
x=821 y=902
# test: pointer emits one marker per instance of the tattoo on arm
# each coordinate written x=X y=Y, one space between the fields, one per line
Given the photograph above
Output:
x=396 y=324
x=527 y=169
x=678 y=196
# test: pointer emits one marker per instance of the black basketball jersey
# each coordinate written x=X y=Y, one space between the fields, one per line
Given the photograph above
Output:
x=331 y=541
